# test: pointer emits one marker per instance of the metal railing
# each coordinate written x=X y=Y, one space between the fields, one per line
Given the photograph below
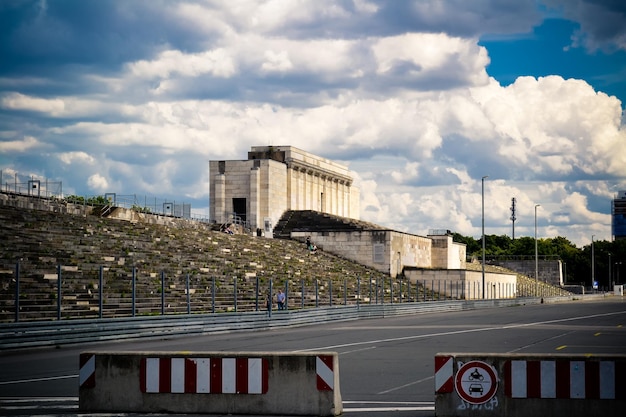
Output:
x=29 y=293
x=54 y=333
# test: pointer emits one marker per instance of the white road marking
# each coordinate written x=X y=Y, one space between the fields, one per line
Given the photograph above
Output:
x=484 y=329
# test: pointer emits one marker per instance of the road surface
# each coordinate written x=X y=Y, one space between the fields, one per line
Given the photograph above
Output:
x=386 y=365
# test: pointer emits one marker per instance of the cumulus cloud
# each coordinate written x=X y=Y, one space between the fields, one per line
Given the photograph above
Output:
x=98 y=183
x=19 y=146
x=601 y=21
x=399 y=91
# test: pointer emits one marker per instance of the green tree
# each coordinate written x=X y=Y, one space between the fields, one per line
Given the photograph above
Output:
x=609 y=257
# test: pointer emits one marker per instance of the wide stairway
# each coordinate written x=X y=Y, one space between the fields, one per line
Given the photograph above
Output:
x=315 y=221
x=192 y=265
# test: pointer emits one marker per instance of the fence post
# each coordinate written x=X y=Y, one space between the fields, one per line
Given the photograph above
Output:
x=162 y=293
x=391 y=289
x=330 y=291
x=345 y=292
x=17 y=291
x=133 y=284
x=59 y=292
x=286 y=305
x=256 y=290
x=270 y=299
x=382 y=290
x=188 y=294
x=358 y=293
x=100 y=290
x=303 y=293
x=370 y=280
x=235 y=293
x=317 y=293
x=213 y=295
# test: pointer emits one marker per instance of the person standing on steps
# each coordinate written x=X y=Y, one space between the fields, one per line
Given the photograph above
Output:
x=280 y=300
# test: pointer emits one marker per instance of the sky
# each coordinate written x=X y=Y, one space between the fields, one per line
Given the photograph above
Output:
x=420 y=99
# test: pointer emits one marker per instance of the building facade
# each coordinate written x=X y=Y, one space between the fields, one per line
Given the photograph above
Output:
x=273 y=179
x=618 y=216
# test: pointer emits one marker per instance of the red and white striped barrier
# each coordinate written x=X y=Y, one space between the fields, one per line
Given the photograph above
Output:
x=605 y=380
x=444 y=374
x=325 y=373
x=87 y=372
x=225 y=383
x=521 y=385
x=203 y=375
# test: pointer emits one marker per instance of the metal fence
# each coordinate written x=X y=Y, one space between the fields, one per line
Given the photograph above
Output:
x=44 y=189
x=97 y=292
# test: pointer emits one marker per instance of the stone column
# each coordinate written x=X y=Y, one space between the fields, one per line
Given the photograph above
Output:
x=254 y=217
x=219 y=199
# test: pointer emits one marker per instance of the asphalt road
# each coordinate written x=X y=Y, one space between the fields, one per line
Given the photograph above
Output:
x=386 y=365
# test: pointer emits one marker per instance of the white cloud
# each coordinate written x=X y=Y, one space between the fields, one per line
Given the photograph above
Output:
x=17 y=101
x=24 y=145
x=431 y=56
x=98 y=183
x=397 y=90
x=216 y=62
x=76 y=157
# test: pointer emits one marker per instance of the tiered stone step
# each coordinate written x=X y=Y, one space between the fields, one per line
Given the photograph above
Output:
x=40 y=241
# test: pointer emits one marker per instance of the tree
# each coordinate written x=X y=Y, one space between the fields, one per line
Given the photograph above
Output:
x=576 y=262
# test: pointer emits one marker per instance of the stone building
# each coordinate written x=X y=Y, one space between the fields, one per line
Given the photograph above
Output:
x=273 y=179
x=284 y=192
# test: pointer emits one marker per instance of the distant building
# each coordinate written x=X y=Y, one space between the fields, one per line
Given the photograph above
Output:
x=618 y=216
x=273 y=179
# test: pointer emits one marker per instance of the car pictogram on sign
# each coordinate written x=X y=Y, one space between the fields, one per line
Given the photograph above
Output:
x=476 y=388
x=476 y=382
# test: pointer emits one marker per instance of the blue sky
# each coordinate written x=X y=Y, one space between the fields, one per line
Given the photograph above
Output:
x=421 y=99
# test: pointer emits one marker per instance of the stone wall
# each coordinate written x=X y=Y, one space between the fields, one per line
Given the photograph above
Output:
x=446 y=253
x=549 y=270
x=465 y=284
x=387 y=251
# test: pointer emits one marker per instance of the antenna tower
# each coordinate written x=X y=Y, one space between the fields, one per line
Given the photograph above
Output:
x=513 y=218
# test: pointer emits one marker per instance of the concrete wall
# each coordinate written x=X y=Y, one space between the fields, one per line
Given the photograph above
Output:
x=44 y=204
x=261 y=383
x=521 y=385
x=446 y=253
x=548 y=270
x=464 y=284
x=393 y=252
x=387 y=251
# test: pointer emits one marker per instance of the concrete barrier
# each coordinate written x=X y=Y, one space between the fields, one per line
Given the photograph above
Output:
x=259 y=383
x=516 y=385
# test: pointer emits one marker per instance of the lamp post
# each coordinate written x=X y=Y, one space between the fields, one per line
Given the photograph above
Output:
x=611 y=283
x=536 y=255
x=482 y=180
x=593 y=264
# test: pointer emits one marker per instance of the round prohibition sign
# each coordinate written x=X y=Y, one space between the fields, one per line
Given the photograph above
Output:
x=476 y=382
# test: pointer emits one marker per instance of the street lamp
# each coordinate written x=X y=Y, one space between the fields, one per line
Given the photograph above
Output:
x=593 y=264
x=536 y=255
x=482 y=180
x=611 y=283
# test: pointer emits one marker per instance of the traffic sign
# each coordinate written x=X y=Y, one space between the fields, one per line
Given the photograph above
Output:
x=476 y=382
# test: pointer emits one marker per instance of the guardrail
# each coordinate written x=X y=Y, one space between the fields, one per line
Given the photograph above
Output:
x=54 y=333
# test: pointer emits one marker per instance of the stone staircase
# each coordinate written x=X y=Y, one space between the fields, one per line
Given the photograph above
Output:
x=315 y=221
x=221 y=270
